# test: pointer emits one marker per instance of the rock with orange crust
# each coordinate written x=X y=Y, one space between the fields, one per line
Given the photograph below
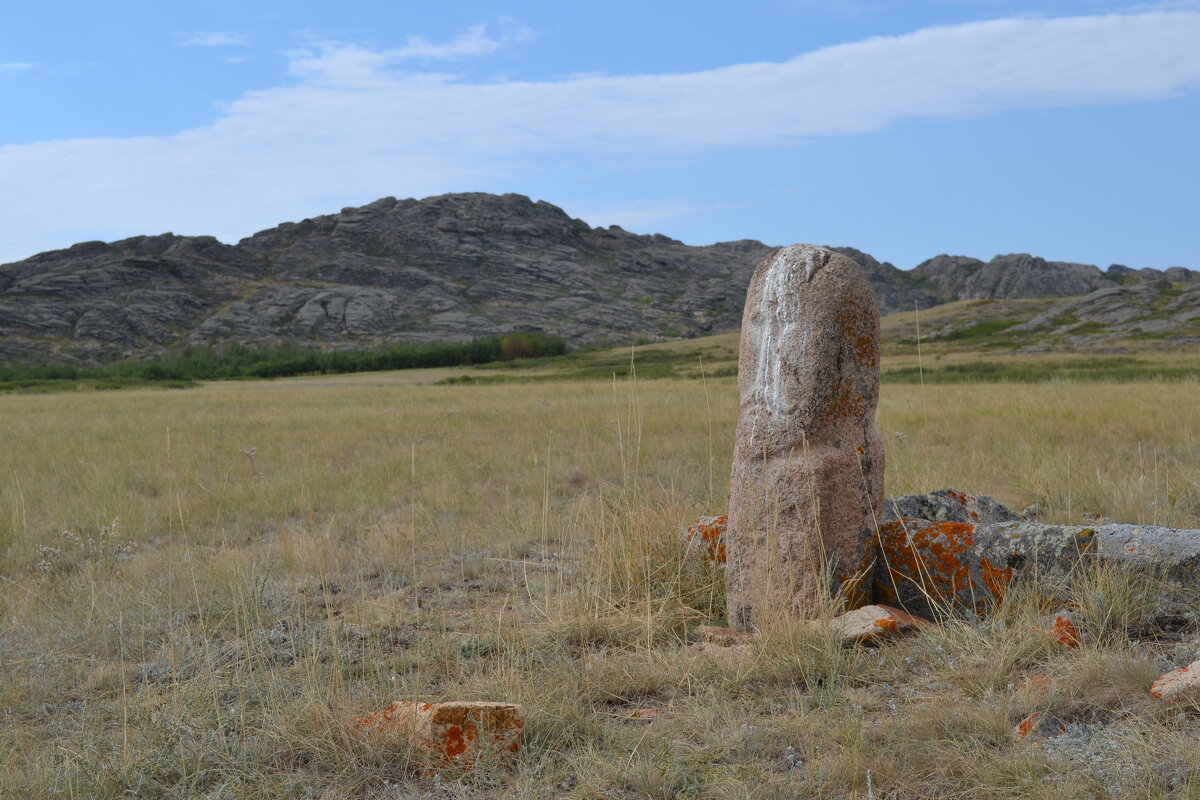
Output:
x=929 y=567
x=1038 y=728
x=874 y=623
x=455 y=734
x=1178 y=684
x=705 y=539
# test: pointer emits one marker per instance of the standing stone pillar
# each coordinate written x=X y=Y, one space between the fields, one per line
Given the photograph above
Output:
x=806 y=493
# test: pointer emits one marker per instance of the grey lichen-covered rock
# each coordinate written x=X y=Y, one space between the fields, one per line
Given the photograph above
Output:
x=1153 y=307
x=947 y=505
x=1009 y=276
x=806 y=487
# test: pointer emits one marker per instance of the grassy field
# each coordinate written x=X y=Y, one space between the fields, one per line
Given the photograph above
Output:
x=292 y=554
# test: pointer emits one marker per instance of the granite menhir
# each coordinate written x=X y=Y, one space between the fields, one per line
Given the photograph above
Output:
x=806 y=493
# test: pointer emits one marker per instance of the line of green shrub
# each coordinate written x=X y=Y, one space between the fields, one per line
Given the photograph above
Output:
x=233 y=361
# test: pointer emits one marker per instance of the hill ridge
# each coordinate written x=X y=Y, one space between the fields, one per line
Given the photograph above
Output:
x=446 y=267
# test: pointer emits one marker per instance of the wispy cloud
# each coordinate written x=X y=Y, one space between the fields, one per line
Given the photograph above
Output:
x=212 y=39
x=347 y=64
x=355 y=124
x=15 y=66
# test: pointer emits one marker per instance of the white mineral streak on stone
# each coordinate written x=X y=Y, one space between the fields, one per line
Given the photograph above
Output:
x=807 y=483
x=776 y=303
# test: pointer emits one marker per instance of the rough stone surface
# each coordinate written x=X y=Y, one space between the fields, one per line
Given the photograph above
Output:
x=456 y=734
x=929 y=565
x=1179 y=683
x=947 y=505
x=874 y=623
x=807 y=483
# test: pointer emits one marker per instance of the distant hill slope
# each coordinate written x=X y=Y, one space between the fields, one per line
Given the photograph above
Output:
x=450 y=267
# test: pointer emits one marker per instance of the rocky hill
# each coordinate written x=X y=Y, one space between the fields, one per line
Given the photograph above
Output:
x=450 y=267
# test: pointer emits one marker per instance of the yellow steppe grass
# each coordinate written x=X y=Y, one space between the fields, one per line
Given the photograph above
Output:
x=291 y=554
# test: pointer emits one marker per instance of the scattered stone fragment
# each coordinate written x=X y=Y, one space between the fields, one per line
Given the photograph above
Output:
x=455 y=734
x=806 y=489
x=1063 y=631
x=874 y=623
x=723 y=637
x=706 y=538
x=1038 y=727
x=947 y=505
x=1178 y=683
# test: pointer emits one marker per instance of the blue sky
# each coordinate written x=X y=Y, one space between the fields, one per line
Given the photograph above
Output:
x=906 y=129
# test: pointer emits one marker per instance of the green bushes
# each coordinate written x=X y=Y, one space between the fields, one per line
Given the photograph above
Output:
x=231 y=361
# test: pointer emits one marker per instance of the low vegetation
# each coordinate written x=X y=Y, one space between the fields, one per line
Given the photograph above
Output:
x=293 y=554
x=190 y=365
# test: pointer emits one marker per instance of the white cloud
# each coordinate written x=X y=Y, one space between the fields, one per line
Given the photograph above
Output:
x=352 y=127
x=15 y=66
x=342 y=64
x=212 y=39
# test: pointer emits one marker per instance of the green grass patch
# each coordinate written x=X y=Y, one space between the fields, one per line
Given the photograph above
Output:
x=1120 y=369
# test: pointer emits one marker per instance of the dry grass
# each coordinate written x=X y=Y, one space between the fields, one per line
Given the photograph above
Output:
x=379 y=541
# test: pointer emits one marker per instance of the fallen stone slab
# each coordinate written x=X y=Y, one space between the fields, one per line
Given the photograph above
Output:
x=931 y=566
x=875 y=623
x=454 y=734
x=1178 y=683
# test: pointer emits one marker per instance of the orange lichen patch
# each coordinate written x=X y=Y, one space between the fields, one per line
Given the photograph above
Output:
x=1063 y=631
x=451 y=734
x=994 y=578
x=1025 y=726
x=927 y=555
x=710 y=532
